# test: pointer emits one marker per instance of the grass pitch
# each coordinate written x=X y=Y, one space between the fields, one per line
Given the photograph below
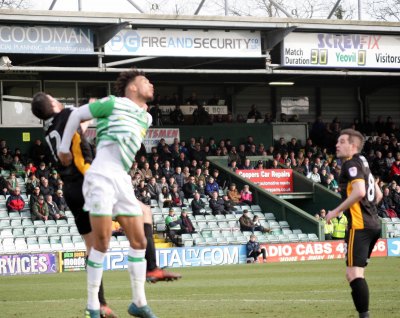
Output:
x=305 y=289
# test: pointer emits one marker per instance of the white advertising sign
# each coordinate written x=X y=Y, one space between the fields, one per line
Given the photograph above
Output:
x=189 y=109
x=341 y=50
x=185 y=43
x=154 y=135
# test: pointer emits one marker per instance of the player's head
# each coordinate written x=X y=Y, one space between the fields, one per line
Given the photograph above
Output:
x=44 y=106
x=349 y=143
x=134 y=84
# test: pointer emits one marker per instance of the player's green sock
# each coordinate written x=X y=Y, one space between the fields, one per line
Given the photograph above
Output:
x=137 y=273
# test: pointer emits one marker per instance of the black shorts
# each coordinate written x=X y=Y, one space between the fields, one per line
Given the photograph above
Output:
x=360 y=244
x=75 y=200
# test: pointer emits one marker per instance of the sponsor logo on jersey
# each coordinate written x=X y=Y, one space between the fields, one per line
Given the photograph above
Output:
x=353 y=171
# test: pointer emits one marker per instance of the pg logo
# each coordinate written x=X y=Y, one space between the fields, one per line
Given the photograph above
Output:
x=126 y=39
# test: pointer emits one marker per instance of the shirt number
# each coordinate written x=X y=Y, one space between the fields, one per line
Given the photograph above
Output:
x=53 y=139
x=371 y=188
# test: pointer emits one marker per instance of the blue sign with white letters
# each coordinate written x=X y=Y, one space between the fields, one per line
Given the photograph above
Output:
x=394 y=247
x=185 y=256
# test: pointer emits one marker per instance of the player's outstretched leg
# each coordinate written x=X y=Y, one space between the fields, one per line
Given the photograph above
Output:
x=155 y=274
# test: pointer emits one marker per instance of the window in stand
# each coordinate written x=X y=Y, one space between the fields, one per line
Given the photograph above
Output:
x=16 y=103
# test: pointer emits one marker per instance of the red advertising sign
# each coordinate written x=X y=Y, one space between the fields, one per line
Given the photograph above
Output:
x=294 y=252
x=272 y=180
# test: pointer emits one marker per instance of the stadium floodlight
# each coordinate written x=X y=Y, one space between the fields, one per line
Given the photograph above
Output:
x=281 y=83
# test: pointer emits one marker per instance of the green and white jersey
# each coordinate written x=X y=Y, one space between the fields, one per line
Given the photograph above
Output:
x=122 y=121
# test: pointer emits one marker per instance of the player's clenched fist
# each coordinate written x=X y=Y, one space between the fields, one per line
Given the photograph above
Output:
x=65 y=158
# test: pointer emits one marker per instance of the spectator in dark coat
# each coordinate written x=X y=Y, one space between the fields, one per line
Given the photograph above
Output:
x=217 y=204
x=198 y=205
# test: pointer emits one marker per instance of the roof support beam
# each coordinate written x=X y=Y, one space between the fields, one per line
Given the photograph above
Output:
x=133 y=60
x=52 y=4
x=199 y=7
x=333 y=9
x=199 y=71
x=106 y=33
x=279 y=7
x=135 y=6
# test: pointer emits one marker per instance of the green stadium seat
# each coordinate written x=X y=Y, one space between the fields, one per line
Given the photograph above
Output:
x=29 y=231
x=303 y=237
x=286 y=231
x=313 y=237
x=213 y=226
x=18 y=232
x=293 y=238
x=38 y=223
x=41 y=231
x=16 y=223
x=14 y=215
x=199 y=241
x=211 y=241
x=297 y=231
x=43 y=240
x=273 y=239
x=269 y=216
x=27 y=223
x=222 y=241
x=284 y=224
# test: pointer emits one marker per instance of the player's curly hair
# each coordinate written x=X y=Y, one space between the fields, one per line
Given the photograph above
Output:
x=124 y=79
x=41 y=106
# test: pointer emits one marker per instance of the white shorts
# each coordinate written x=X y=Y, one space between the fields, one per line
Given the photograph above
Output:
x=110 y=196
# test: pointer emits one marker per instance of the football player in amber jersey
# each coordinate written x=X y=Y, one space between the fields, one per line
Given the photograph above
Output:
x=360 y=194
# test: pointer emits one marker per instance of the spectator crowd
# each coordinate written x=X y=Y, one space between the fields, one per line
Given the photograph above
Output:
x=174 y=173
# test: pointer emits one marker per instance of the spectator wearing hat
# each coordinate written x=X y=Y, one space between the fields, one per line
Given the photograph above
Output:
x=40 y=210
x=247 y=224
x=259 y=165
x=53 y=179
x=31 y=183
x=60 y=200
x=15 y=202
x=186 y=223
x=173 y=226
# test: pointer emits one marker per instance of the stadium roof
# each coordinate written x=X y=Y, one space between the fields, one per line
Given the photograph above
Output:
x=248 y=69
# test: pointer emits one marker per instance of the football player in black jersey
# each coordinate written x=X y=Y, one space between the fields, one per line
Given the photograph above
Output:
x=55 y=117
x=360 y=194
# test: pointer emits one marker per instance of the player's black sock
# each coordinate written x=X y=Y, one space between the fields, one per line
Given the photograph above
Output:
x=102 y=300
x=360 y=294
x=150 y=249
